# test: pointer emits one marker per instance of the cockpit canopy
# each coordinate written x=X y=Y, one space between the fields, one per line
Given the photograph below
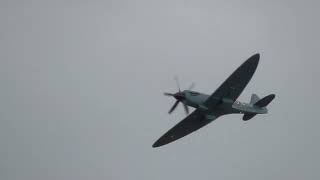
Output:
x=193 y=93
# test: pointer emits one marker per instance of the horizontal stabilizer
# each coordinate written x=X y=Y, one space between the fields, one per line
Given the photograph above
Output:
x=265 y=101
x=248 y=116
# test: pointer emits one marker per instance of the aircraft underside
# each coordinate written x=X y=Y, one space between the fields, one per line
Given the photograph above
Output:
x=221 y=102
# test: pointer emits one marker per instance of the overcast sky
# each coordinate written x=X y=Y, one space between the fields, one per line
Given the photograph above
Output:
x=82 y=87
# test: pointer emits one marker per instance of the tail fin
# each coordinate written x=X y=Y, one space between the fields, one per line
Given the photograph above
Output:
x=265 y=101
x=254 y=98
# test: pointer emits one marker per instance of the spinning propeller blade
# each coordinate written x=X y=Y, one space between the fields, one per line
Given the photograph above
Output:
x=168 y=94
x=179 y=96
x=173 y=107
x=178 y=84
x=191 y=86
x=186 y=108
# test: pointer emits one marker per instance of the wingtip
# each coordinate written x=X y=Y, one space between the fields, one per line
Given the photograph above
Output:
x=272 y=96
x=161 y=141
x=255 y=57
x=155 y=145
x=253 y=60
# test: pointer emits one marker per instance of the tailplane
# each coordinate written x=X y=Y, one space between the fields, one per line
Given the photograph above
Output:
x=256 y=101
x=248 y=116
x=265 y=101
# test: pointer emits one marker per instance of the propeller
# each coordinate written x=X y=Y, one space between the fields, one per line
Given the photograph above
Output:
x=191 y=86
x=173 y=107
x=177 y=82
x=180 y=97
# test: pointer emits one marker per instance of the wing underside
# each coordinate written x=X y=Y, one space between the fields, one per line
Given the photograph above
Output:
x=191 y=123
x=236 y=82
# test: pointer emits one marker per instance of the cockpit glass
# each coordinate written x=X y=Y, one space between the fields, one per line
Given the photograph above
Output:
x=194 y=93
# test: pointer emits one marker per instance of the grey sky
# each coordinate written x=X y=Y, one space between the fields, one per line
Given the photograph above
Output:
x=82 y=83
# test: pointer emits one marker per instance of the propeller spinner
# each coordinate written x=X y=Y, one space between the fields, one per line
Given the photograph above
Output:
x=180 y=97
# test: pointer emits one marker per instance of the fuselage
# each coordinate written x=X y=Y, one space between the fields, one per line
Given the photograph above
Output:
x=197 y=100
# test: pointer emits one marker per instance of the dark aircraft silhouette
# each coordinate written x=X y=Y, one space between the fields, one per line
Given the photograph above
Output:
x=223 y=101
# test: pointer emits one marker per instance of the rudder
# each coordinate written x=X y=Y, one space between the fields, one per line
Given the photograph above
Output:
x=254 y=98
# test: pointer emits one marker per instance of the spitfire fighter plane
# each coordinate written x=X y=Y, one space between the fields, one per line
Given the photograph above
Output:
x=223 y=101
